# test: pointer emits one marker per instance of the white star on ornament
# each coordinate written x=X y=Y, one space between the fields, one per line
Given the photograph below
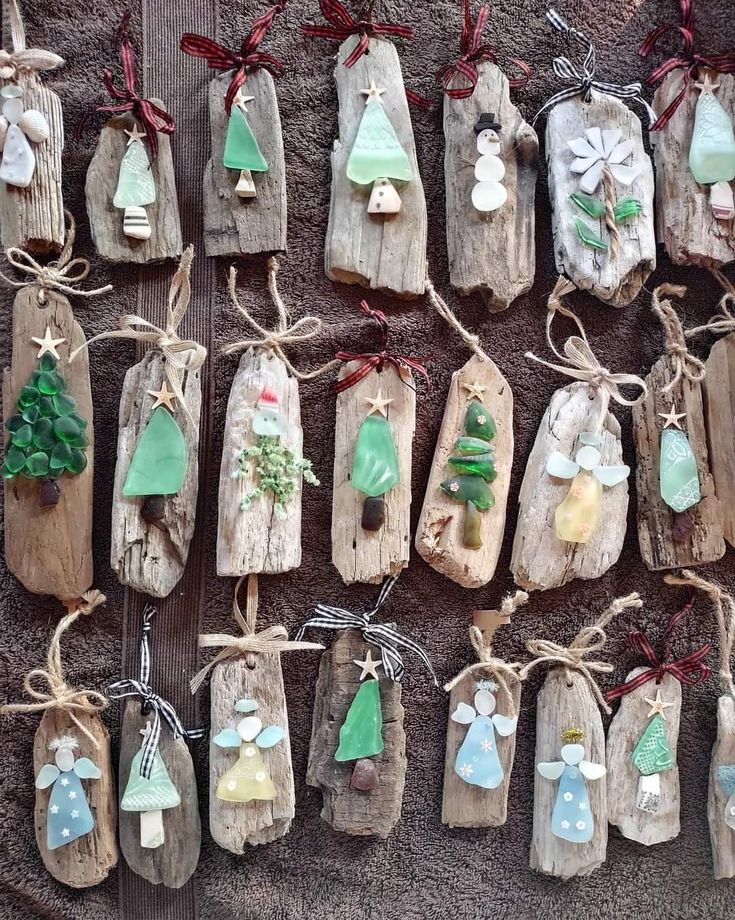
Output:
x=368 y=666
x=163 y=397
x=54 y=809
x=583 y=806
x=372 y=93
x=657 y=705
x=565 y=825
x=72 y=794
x=75 y=814
x=240 y=100
x=707 y=86
x=379 y=404
x=671 y=418
x=474 y=390
x=47 y=345
x=65 y=832
x=135 y=135
x=64 y=782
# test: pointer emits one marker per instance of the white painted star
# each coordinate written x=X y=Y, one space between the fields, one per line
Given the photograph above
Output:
x=54 y=809
x=379 y=404
x=135 y=135
x=474 y=390
x=565 y=825
x=583 y=806
x=240 y=100
x=466 y=769
x=163 y=397
x=657 y=705
x=372 y=93
x=368 y=666
x=65 y=832
x=487 y=745
x=75 y=813
x=671 y=418
x=64 y=781
x=47 y=345
x=72 y=794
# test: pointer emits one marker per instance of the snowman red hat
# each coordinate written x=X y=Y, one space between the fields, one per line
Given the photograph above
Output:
x=268 y=399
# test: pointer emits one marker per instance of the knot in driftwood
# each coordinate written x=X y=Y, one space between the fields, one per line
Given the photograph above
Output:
x=685 y=364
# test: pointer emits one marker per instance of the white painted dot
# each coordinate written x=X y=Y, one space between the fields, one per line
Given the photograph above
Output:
x=580 y=825
x=568 y=796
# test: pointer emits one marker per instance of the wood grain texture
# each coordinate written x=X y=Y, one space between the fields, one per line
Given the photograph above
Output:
x=655 y=519
x=564 y=701
x=540 y=559
x=719 y=401
x=492 y=253
x=387 y=253
x=32 y=218
x=614 y=281
x=173 y=863
x=49 y=549
x=723 y=754
x=626 y=728
x=685 y=222
x=152 y=558
x=87 y=860
x=440 y=526
x=106 y=221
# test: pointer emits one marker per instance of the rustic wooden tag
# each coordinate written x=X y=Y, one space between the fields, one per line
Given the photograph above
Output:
x=626 y=728
x=106 y=221
x=87 y=860
x=255 y=539
x=379 y=252
x=151 y=558
x=722 y=835
x=49 y=549
x=495 y=252
x=439 y=531
x=614 y=281
x=540 y=559
x=719 y=391
x=373 y=813
x=566 y=701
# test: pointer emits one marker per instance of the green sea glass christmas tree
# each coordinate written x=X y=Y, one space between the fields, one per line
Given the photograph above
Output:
x=712 y=151
x=241 y=148
x=135 y=187
x=652 y=756
x=678 y=472
x=375 y=468
x=361 y=733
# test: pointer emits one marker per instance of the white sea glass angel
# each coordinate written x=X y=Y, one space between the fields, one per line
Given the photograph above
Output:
x=18 y=126
x=572 y=818
x=477 y=759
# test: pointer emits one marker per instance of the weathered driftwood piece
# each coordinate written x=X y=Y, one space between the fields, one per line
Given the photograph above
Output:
x=106 y=221
x=626 y=728
x=235 y=225
x=439 y=531
x=381 y=252
x=719 y=398
x=540 y=559
x=614 y=281
x=373 y=813
x=87 y=860
x=659 y=549
x=173 y=863
x=686 y=224
x=495 y=252
x=565 y=701
x=49 y=549
x=256 y=539
x=151 y=557
x=723 y=754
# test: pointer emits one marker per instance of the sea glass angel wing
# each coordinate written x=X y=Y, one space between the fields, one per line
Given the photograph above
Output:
x=592 y=770
x=270 y=736
x=46 y=775
x=561 y=467
x=611 y=475
x=503 y=725
x=551 y=770
x=85 y=769
x=228 y=737
x=463 y=714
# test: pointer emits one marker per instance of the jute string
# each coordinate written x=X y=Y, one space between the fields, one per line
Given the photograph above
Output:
x=685 y=365
x=722 y=322
x=59 y=694
x=589 y=640
x=22 y=60
x=440 y=305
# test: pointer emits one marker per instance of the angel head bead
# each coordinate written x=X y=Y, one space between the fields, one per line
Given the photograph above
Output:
x=18 y=126
x=249 y=779
x=477 y=759
x=68 y=816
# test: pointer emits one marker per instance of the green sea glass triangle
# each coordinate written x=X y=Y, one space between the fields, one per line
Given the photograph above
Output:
x=241 y=147
x=149 y=794
x=375 y=465
x=712 y=151
x=135 y=185
x=377 y=152
x=159 y=463
x=361 y=734
x=678 y=474
x=652 y=754
x=469 y=488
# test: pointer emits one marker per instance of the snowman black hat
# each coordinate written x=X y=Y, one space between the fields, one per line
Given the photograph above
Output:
x=485 y=121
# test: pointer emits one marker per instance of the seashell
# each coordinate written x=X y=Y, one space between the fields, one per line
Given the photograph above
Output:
x=34 y=125
x=3 y=130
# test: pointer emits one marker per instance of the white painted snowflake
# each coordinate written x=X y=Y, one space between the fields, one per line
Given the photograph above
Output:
x=598 y=149
x=565 y=825
x=581 y=825
x=232 y=785
x=466 y=770
x=583 y=806
x=487 y=745
x=568 y=796
x=64 y=781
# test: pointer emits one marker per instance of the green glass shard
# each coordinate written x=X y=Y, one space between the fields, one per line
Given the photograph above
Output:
x=375 y=465
x=77 y=463
x=50 y=383
x=478 y=422
x=588 y=237
x=590 y=205
x=712 y=151
x=80 y=420
x=241 y=147
x=627 y=208
x=377 y=152
x=135 y=185
x=468 y=488
x=22 y=436
x=361 y=734
x=37 y=464
x=15 y=459
x=154 y=793
x=80 y=441
x=159 y=463
x=652 y=753
x=46 y=407
x=468 y=445
x=477 y=465
x=30 y=414
x=15 y=422
x=66 y=429
x=678 y=473
x=43 y=434
x=46 y=362
x=64 y=404
x=28 y=396
x=60 y=456
x=472 y=529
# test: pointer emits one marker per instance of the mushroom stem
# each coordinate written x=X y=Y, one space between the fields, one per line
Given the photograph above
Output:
x=151 y=829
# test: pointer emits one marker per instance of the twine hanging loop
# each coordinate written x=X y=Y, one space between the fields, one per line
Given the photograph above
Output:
x=685 y=364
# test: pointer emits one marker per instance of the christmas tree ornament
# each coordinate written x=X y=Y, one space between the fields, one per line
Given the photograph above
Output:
x=357 y=755
x=160 y=831
x=252 y=798
x=377 y=205
x=131 y=188
x=374 y=427
x=490 y=169
x=460 y=530
x=569 y=802
x=679 y=517
x=75 y=813
x=49 y=447
x=600 y=179
x=574 y=495
x=694 y=146
x=643 y=775
x=484 y=704
x=245 y=181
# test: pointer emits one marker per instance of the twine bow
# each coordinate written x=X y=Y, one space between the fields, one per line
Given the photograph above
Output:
x=23 y=61
x=685 y=365
x=442 y=308
x=584 y=81
x=724 y=321
x=342 y=25
x=59 y=694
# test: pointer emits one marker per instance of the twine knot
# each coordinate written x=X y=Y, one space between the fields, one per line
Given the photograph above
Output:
x=341 y=24
x=685 y=364
x=23 y=61
x=441 y=307
x=722 y=322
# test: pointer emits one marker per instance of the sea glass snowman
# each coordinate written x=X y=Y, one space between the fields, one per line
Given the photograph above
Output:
x=489 y=193
x=268 y=420
x=18 y=126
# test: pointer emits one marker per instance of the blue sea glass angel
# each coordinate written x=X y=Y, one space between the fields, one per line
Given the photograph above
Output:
x=726 y=779
x=477 y=759
x=69 y=816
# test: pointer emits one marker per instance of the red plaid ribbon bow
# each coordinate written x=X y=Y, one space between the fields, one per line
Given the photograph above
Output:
x=247 y=60
x=689 y=59
x=342 y=25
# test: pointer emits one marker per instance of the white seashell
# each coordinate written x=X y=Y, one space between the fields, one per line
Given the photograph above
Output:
x=3 y=130
x=34 y=125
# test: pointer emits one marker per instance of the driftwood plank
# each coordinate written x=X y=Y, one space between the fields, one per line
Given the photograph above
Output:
x=151 y=558
x=723 y=754
x=686 y=224
x=358 y=554
x=49 y=549
x=106 y=221
x=719 y=400
x=622 y=777
x=373 y=813
x=493 y=253
x=614 y=281
x=381 y=252
x=540 y=559
x=235 y=225
x=439 y=531
x=87 y=860
x=659 y=549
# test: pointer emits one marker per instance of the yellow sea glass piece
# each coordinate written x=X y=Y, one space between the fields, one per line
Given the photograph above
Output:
x=248 y=780
x=578 y=516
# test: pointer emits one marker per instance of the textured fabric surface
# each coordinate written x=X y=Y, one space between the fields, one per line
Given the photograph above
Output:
x=423 y=870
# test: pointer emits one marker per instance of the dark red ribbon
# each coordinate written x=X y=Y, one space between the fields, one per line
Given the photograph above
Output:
x=688 y=59
x=473 y=51
x=342 y=25
x=690 y=669
x=244 y=62
x=376 y=360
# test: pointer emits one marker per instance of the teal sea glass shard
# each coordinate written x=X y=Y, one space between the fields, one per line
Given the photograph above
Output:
x=712 y=151
x=375 y=466
x=241 y=147
x=626 y=209
x=468 y=445
x=476 y=464
x=652 y=753
x=160 y=460
x=135 y=185
x=377 y=153
x=589 y=237
x=678 y=474
x=361 y=734
x=478 y=422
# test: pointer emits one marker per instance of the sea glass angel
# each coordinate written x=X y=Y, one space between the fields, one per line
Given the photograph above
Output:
x=68 y=816
x=477 y=760
x=18 y=126
x=248 y=779
x=726 y=779
x=572 y=818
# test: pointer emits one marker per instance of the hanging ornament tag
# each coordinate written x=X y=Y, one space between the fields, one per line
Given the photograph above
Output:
x=721 y=792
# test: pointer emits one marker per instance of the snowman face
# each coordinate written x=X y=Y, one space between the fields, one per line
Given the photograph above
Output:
x=269 y=423
x=488 y=142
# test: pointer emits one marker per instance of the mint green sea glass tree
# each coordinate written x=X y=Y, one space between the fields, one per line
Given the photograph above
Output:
x=135 y=187
x=712 y=151
x=241 y=148
x=652 y=756
x=361 y=733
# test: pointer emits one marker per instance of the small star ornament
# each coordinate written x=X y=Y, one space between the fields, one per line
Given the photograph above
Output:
x=163 y=397
x=657 y=705
x=240 y=100
x=369 y=668
x=474 y=390
x=671 y=418
x=379 y=404
x=135 y=135
x=47 y=344
x=372 y=93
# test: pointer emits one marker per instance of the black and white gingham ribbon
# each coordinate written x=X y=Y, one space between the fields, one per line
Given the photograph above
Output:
x=582 y=82
x=385 y=636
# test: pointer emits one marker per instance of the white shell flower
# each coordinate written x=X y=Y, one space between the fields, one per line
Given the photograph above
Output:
x=597 y=150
